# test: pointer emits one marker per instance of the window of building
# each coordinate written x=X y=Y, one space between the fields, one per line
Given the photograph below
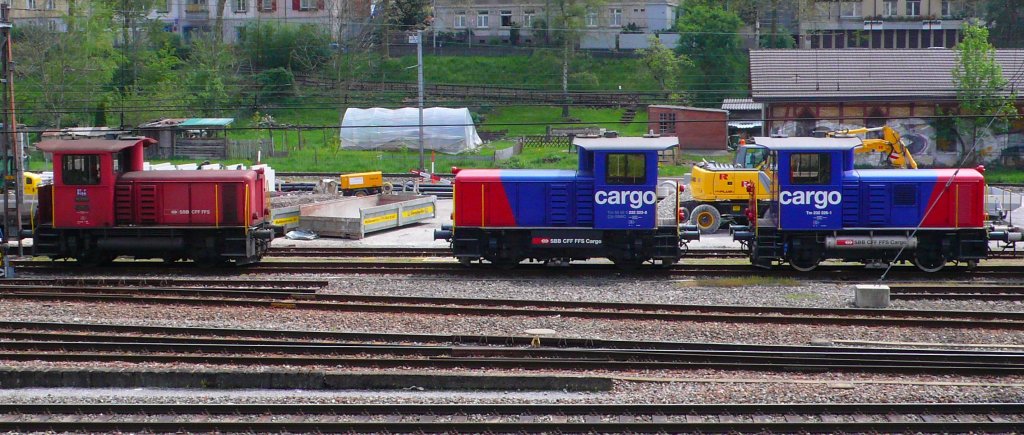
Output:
x=616 y=15
x=50 y=5
x=889 y=8
x=849 y=9
x=528 y=18
x=305 y=5
x=241 y=5
x=626 y=168
x=30 y=4
x=506 y=18
x=460 y=20
x=950 y=8
x=482 y=19
x=667 y=123
x=810 y=168
x=267 y=5
x=80 y=169
x=914 y=7
x=591 y=19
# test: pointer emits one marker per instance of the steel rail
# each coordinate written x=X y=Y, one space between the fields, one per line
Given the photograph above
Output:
x=768 y=353
x=587 y=418
x=534 y=308
x=452 y=269
x=42 y=331
x=378 y=361
x=989 y=292
x=165 y=281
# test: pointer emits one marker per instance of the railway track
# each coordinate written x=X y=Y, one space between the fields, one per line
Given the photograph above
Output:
x=513 y=418
x=398 y=352
x=826 y=272
x=396 y=252
x=272 y=298
x=982 y=292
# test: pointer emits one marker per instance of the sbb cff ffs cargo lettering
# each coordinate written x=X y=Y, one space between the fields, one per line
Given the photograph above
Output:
x=607 y=208
x=102 y=205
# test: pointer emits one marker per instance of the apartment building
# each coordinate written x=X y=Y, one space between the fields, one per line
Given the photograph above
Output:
x=886 y=23
x=504 y=20
x=47 y=13
x=189 y=16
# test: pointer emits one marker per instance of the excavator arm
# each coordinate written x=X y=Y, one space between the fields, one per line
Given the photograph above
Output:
x=891 y=143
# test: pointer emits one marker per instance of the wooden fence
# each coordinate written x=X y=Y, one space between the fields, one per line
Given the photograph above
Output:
x=541 y=140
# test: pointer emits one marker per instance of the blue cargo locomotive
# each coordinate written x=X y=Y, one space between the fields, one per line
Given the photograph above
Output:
x=607 y=208
x=822 y=208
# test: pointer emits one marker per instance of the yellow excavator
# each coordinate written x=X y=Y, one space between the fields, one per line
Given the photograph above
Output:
x=891 y=143
x=719 y=189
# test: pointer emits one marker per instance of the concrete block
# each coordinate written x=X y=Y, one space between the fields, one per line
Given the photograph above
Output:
x=871 y=296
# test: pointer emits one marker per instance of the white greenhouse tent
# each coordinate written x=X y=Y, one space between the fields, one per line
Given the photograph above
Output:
x=445 y=130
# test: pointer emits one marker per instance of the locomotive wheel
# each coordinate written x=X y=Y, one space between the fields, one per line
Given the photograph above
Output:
x=805 y=257
x=929 y=260
x=706 y=218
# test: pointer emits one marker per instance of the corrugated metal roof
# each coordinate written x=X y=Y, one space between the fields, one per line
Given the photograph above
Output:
x=626 y=142
x=699 y=109
x=741 y=104
x=90 y=145
x=206 y=122
x=781 y=143
x=852 y=74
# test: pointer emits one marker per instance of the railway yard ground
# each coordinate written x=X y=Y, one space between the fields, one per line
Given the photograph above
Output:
x=364 y=336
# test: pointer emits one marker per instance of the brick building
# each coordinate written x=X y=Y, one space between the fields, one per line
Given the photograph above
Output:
x=696 y=128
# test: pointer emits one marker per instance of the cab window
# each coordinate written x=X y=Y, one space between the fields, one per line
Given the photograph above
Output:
x=80 y=170
x=810 y=168
x=626 y=168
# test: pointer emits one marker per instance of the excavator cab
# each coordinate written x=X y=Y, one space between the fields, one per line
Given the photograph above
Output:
x=750 y=156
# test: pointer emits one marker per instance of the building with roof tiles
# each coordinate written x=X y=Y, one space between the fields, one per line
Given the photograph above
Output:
x=886 y=23
x=910 y=90
x=746 y=118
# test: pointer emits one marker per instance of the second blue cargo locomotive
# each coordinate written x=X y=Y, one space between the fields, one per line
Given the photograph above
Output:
x=607 y=208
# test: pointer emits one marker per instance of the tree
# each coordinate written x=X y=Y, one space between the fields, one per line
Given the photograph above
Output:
x=409 y=14
x=208 y=74
x=63 y=77
x=662 y=64
x=567 y=26
x=1006 y=21
x=709 y=37
x=981 y=89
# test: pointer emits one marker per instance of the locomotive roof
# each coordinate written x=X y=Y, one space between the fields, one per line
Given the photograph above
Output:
x=808 y=143
x=91 y=145
x=197 y=175
x=624 y=143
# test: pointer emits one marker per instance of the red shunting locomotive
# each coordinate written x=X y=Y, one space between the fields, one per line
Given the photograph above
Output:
x=102 y=205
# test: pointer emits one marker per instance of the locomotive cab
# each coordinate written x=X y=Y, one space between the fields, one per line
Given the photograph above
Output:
x=821 y=207
x=102 y=204
x=607 y=208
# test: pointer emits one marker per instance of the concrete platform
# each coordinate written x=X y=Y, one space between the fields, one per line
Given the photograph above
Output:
x=421 y=235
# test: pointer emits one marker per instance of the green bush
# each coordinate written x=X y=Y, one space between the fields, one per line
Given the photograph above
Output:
x=303 y=47
x=275 y=83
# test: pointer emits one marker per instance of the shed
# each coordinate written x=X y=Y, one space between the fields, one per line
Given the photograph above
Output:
x=696 y=128
x=192 y=138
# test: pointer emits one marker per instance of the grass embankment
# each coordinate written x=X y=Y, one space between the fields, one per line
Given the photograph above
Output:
x=320 y=151
x=541 y=70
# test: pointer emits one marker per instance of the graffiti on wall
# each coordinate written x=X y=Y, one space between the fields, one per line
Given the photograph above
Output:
x=1004 y=145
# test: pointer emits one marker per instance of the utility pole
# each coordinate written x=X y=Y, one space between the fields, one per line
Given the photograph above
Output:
x=419 y=77
x=11 y=148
